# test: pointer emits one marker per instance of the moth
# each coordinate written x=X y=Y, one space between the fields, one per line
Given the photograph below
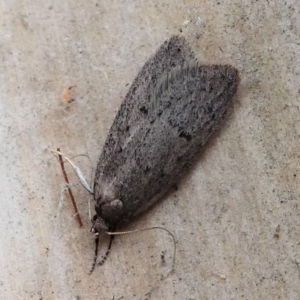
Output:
x=169 y=113
x=171 y=110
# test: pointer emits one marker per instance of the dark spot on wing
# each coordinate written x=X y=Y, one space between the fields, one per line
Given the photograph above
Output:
x=144 y=110
x=185 y=135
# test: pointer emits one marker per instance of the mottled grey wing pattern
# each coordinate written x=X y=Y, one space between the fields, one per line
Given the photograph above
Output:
x=174 y=52
x=169 y=113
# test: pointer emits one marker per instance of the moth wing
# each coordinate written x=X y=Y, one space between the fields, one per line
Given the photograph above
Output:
x=168 y=126
x=172 y=53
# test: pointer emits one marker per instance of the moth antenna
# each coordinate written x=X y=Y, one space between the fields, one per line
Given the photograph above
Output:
x=107 y=251
x=144 y=229
x=69 y=189
x=95 y=255
x=77 y=171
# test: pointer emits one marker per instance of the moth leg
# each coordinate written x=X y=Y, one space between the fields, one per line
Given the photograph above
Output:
x=95 y=255
x=107 y=251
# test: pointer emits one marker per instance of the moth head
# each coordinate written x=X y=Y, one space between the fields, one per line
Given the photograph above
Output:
x=99 y=225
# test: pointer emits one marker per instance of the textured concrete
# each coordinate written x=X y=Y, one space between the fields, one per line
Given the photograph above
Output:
x=236 y=217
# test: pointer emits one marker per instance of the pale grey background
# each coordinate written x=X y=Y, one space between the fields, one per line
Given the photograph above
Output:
x=224 y=214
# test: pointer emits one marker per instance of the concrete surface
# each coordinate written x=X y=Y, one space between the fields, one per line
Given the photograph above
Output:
x=236 y=217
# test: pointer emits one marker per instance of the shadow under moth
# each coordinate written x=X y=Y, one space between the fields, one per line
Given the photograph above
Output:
x=169 y=113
